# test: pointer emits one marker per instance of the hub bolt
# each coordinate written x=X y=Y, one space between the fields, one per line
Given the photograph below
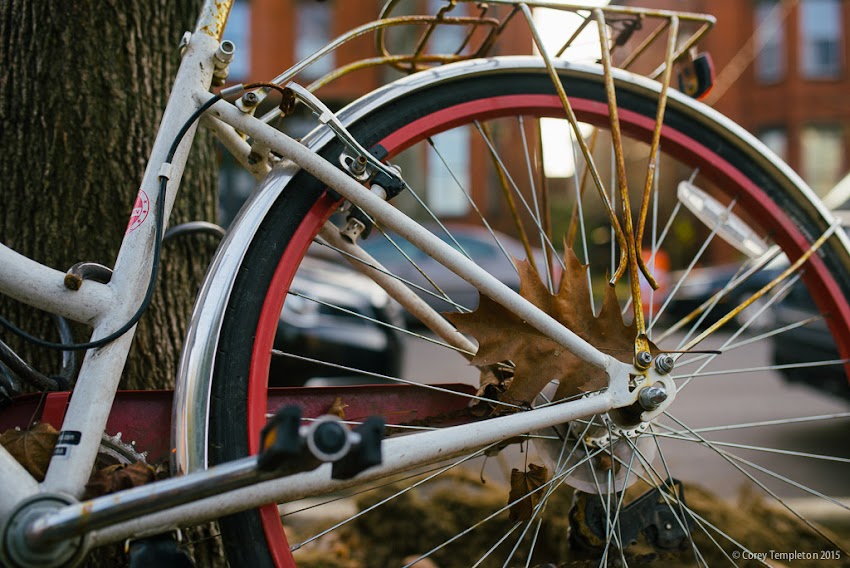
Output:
x=644 y=359
x=250 y=99
x=664 y=363
x=651 y=398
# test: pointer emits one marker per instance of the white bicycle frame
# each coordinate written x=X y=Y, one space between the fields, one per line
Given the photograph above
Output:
x=106 y=307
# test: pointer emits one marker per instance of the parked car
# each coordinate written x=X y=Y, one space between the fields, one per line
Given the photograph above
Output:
x=807 y=343
x=477 y=242
x=317 y=330
x=702 y=284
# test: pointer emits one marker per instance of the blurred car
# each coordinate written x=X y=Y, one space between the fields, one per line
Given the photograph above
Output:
x=312 y=326
x=477 y=242
x=806 y=344
x=702 y=284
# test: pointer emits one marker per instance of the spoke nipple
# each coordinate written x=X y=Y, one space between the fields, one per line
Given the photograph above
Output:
x=651 y=398
x=664 y=363
x=644 y=359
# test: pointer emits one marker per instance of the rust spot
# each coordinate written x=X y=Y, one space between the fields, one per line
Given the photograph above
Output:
x=212 y=21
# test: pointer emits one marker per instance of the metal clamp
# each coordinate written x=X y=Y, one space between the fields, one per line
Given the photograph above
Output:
x=328 y=118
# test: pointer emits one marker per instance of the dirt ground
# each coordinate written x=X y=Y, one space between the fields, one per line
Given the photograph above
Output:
x=408 y=526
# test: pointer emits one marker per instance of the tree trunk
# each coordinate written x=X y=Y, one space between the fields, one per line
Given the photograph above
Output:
x=82 y=88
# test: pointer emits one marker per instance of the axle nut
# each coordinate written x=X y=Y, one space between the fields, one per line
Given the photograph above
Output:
x=651 y=398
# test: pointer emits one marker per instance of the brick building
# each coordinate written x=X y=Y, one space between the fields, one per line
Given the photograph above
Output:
x=782 y=74
x=782 y=70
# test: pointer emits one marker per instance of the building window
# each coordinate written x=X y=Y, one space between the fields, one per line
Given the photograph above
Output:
x=770 y=41
x=238 y=30
x=820 y=32
x=314 y=29
x=776 y=139
x=447 y=39
x=822 y=156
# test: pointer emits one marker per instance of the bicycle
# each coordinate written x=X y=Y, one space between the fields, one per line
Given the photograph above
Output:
x=597 y=415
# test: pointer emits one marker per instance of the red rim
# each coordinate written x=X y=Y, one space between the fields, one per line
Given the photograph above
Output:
x=787 y=234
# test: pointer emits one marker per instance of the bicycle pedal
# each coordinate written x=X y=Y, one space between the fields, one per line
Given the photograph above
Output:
x=287 y=447
x=280 y=440
x=365 y=452
x=161 y=550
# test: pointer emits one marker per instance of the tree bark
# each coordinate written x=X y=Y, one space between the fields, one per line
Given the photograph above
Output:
x=82 y=88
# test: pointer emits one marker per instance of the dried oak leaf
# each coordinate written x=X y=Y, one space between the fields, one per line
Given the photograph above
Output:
x=503 y=336
x=32 y=448
x=117 y=477
x=523 y=483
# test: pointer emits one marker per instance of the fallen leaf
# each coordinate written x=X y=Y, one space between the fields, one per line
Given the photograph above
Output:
x=523 y=483
x=32 y=448
x=117 y=477
x=338 y=408
x=503 y=336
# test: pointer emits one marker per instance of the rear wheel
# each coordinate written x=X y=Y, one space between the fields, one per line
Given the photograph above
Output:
x=473 y=142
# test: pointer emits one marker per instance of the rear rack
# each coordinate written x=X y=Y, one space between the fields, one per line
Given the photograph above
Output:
x=410 y=42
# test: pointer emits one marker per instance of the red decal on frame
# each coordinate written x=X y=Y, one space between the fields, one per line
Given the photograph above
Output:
x=140 y=212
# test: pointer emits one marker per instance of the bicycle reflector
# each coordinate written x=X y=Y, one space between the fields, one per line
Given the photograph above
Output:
x=696 y=75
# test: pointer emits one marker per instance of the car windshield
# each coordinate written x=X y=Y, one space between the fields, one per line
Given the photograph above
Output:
x=386 y=251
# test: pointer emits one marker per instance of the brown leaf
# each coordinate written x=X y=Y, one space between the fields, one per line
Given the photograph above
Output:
x=117 y=477
x=32 y=448
x=523 y=483
x=502 y=336
x=338 y=408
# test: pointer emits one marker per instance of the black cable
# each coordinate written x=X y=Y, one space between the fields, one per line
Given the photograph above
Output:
x=157 y=253
x=160 y=222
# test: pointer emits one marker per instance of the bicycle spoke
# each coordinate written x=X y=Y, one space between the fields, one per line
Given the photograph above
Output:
x=690 y=267
x=731 y=459
x=513 y=185
x=359 y=514
x=700 y=371
x=784 y=367
x=472 y=204
x=538 y=219
x=767 y=287
x=754 y=339
x=763 y=423
x=666 y=491
x=442 y=294
x=703 y=523
x=443 y=298
x=383 y=323
x=363 y=372
x=669 y=475
x=555 y=479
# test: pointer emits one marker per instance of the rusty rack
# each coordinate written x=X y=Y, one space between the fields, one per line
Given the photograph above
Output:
x=629 y=33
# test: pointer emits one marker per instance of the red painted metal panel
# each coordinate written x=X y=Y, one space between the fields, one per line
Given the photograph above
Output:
x=144 y=417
